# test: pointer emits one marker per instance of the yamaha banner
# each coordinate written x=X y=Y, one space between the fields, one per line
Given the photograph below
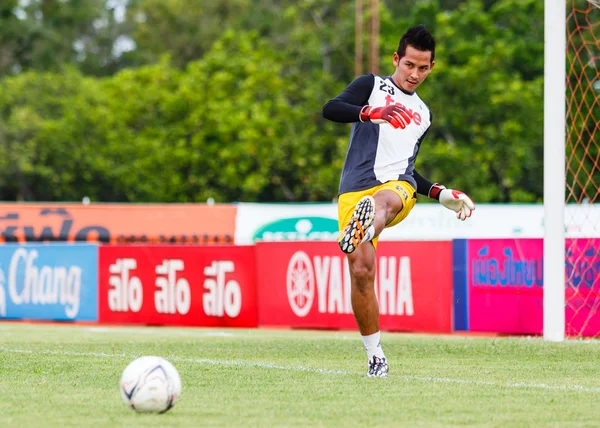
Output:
x=307 y=285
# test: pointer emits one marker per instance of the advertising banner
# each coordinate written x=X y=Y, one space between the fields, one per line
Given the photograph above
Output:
x=117 y=223
x=427 y=221
x=498 y=286
x=307 y=285
x=502 y=285
x=178 y=285
x=318 y=222
x=582 y=316
x=49 y=282
x=285 y=222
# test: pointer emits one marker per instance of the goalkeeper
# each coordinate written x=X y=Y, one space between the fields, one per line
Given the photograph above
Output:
x=379 y=183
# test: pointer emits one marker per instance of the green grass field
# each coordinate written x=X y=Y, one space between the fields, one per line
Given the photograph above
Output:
x=68 y=376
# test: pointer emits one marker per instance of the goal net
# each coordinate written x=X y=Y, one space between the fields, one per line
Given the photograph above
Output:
x=582 y=162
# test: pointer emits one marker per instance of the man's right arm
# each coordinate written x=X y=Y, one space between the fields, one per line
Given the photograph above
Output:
x=346 y=107
x=351 y=106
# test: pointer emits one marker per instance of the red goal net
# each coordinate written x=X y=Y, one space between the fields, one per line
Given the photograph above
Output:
x=582 y=214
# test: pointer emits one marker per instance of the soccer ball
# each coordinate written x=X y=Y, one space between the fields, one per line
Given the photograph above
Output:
x=150 y=385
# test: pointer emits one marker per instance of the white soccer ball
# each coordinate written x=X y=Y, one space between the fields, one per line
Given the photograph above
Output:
x=150 y=385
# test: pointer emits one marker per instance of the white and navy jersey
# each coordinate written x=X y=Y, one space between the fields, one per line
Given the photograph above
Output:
x=379 y=153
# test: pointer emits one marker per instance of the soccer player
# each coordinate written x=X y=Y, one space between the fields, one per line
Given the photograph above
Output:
x=379 y=183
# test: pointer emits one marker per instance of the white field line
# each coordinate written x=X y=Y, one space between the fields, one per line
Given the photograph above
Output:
x=171 y=332
x=270 y=366
x=210 y=333
x=277 y=334
x=183 y=359
x=159 y=333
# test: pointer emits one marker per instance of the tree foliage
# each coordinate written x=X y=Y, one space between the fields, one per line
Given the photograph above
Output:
x=223 y=99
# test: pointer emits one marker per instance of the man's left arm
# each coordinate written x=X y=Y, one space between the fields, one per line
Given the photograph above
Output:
x=454 y=200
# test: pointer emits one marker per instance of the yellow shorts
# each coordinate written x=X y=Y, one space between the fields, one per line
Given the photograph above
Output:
x=347 y=202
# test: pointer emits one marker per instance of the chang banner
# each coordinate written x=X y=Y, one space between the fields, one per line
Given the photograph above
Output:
x=49 y=282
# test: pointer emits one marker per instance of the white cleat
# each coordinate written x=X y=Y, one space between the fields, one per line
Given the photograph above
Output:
x=362 y=218
x=378 y=367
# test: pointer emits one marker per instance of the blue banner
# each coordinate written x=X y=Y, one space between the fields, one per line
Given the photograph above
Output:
x=49 y=282
x=460 y=288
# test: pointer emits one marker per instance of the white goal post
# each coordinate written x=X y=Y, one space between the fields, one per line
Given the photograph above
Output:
x=555 y=41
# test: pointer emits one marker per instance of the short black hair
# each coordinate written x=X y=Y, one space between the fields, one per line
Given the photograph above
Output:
x=419 y=38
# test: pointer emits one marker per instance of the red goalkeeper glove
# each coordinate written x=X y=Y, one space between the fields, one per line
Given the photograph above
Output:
x=392 y=114
x=454 y=200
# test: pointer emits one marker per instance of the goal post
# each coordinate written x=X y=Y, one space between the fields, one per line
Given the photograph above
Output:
x=571 y=169
x=555 y=43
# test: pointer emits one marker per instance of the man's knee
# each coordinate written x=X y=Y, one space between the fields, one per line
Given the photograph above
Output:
x=363 y=273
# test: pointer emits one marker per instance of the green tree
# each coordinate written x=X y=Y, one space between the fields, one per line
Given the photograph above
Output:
x=486 y=95
x=43 y=156
x=238 y=115
x=46 y=35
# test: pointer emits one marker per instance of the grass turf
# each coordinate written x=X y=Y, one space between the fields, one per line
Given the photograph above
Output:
x=68 y=376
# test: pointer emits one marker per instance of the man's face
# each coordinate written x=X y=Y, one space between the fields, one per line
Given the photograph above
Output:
x=412 y=68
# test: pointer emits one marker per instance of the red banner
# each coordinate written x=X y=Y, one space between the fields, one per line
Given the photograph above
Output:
x=178 y=285
x=307 y=284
